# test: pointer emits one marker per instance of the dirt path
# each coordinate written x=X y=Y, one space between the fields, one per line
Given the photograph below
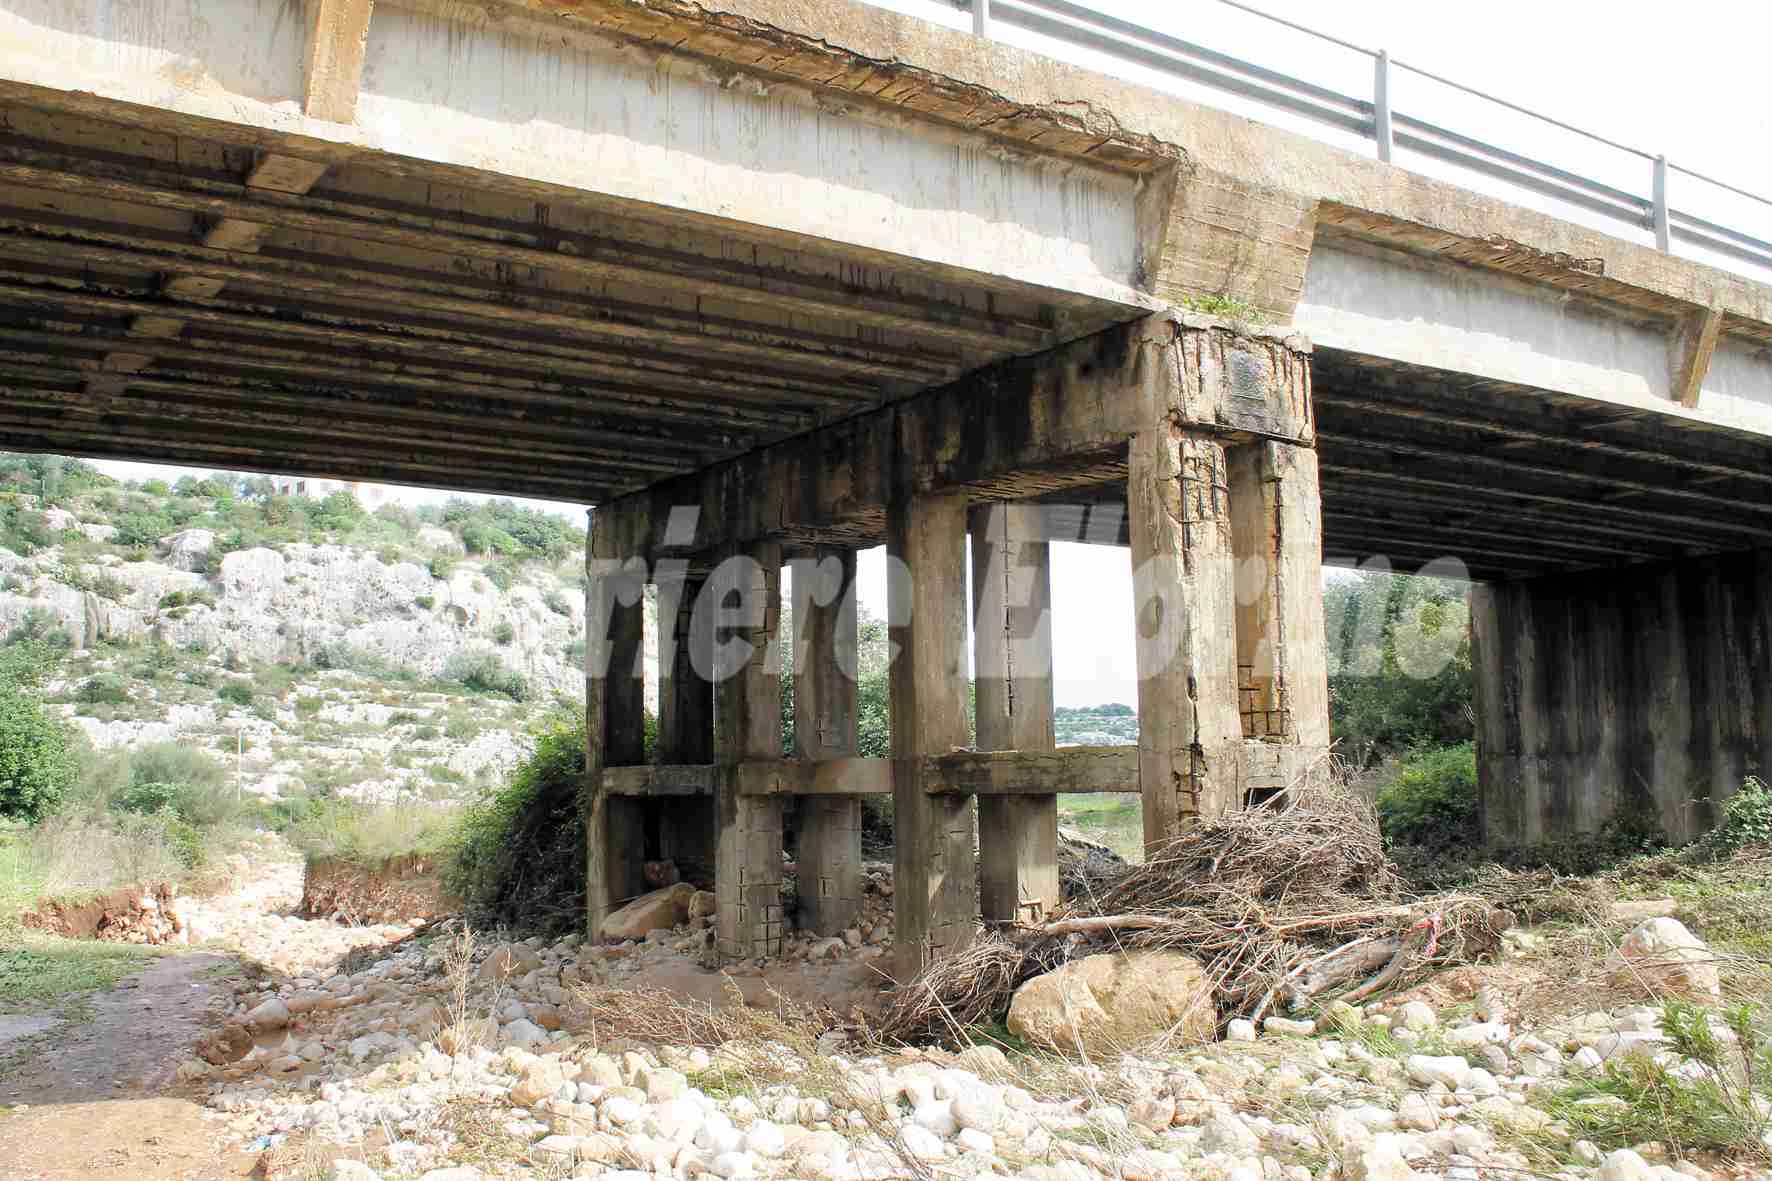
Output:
x=122 y=1041
x=84 y=1080
x=87 y=1087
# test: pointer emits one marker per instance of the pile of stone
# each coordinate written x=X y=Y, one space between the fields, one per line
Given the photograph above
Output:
x=1383 y=1092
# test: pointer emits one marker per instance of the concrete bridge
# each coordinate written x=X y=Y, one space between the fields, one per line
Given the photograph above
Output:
x=773 y=280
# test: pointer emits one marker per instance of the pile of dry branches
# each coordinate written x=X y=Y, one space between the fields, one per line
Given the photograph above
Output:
x=1288 y=903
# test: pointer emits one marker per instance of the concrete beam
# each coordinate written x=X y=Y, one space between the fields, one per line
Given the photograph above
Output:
x=1690 y=351
x=338 y=38
x=1040 y=423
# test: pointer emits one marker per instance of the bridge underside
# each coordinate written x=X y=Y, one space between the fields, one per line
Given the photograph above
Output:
x=208 y=295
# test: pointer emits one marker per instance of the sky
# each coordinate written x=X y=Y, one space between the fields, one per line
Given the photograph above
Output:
x=1688 y=83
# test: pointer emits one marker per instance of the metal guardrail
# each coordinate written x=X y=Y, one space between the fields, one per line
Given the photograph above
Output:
x=1374 y=119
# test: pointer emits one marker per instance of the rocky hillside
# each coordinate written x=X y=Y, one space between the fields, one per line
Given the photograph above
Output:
x=331 y=649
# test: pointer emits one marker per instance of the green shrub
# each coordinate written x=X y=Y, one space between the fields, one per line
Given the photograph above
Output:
x=371 y=834
x=346 y=657
x=441 y=567
x=308 y=704
x=187 y=598
x=102 y=689
x=481 y=670
x=424 y=602
x=425 y=733
x=556 y=602
x=1747 y=820
x=37 y=763
x=39 y=625
x=504 y=633
x=1720 y=1103
x=519 y=856
x=236 y=692
x=1431 y=802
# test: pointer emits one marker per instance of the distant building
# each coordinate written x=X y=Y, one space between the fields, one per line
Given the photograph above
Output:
x=370 y=496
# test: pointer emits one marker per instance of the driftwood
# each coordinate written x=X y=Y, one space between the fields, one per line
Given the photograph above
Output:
x=1286 y=903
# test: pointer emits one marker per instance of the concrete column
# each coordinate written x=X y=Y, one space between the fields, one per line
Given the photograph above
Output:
x=936 y=901
x=1184 y=598
x=825 y=727
x=685 y=720
x=1639 y=698
x=614 y=722
x=1282 y=672
x=746 y=592
x=1012 y=664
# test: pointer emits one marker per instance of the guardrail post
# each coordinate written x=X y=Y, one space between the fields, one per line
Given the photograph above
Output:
x=981 y=18
x=1663 y=235
x=1381 y=103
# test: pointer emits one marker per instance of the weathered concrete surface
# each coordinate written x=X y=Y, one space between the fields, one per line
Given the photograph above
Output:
x=1387 y=303
x=1646 y=692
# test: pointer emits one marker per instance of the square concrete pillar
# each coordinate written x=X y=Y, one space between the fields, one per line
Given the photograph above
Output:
x=614 y=722
x=685 y=825
x=826 y=727
x=936 y=900
x=1012 y=664
x=1184 y=600
x=744 y=593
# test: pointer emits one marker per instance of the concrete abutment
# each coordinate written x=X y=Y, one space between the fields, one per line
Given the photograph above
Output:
x=1638 y=696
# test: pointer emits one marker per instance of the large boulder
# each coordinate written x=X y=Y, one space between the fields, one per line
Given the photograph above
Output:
x=1105 y=1003
x=508 y=960
x=649 y=912
x=1663 y=954
x=188 y=548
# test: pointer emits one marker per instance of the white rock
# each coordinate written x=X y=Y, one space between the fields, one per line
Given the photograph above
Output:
x=1240 y=1030
x=733 y=1165
x=1418 y=1016
x=622 y=1111
x=1625 y=1165
x=920 y=1142
x=978 y=1108
x=1587 y=1058
x=522 y=1033
x=1484 y=1033
x=352 y=1170
x=1664 y=953
x=1226 y=1133
x=973 y=1140
x=272 y=1014
x=1449 y=1071
x=765 y=1139
x=937 y=1115
x=1382 y=1160
x=1417 y=1113
x=1289 y=1027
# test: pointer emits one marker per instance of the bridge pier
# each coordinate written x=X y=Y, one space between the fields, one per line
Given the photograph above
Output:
x=1201 y=428
x=1012 y=663
x=1642 y=694
x=826 y=727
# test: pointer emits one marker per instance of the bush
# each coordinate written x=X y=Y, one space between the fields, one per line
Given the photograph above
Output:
x=504 y=633
x=102 y=689
x=37 y=764
x=424 y=602
x=518 y=858
x=370 y=835
x=441 y=567
x=1431 y=802
x=338 y=512
x=1747 y=820
x=481 y=670
x=40 y=625
x=556 y=602
x=236 y=692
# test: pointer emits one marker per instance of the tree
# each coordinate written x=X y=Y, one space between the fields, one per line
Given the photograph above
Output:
x=37 y=763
